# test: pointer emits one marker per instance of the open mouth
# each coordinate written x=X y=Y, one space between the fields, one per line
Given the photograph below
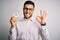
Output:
x=27 y=14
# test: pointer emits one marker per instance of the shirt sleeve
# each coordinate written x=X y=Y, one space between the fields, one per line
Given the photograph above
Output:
x=12 y=34
x=44 y=33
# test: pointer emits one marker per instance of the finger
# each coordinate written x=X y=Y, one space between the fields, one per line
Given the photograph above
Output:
x=13 y=19
x=41 y=12
x=13 y=22
x=44 y=13
x=38 y=19
x=10 y=19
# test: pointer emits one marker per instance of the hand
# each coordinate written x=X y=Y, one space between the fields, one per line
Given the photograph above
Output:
x=41 y=18
x=13 y=21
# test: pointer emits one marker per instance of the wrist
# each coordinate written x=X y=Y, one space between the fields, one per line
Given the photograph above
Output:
x=43 y=23
x=12 y=26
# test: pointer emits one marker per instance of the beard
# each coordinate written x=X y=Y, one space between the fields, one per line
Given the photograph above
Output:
x=27 y=16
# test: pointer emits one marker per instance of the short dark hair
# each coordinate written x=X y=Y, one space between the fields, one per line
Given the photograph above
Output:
x=29 y=2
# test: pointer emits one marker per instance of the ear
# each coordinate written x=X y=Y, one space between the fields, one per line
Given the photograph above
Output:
x=23 y=9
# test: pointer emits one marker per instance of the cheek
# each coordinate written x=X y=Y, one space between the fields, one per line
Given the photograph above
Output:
x=23 y=11
x=31 y=13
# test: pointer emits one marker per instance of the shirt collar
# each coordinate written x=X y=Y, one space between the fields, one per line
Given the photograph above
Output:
x=30 y=19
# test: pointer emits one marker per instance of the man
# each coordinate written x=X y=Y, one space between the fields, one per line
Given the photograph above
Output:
x=26 y=28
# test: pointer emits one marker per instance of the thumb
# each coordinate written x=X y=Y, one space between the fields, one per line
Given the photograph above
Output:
x=38 y=19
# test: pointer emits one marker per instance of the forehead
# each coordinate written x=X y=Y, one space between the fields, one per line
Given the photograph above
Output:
x=28 y=6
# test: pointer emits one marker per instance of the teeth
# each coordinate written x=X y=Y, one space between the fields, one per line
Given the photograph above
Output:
x=27 y=14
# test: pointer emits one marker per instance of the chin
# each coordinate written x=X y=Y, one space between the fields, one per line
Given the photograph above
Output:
x=27 y=17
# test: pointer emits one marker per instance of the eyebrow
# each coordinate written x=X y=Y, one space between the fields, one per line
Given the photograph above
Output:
x=28 y=8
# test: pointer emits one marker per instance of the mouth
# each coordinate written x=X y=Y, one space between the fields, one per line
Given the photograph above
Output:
x=28 y=15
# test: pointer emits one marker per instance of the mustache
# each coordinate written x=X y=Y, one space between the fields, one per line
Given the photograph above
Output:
x=27 y=13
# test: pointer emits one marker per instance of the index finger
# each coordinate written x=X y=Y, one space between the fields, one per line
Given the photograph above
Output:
x=41 y=13
x=44 y=13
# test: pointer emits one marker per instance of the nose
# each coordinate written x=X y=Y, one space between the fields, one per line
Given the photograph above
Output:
x=27 y=11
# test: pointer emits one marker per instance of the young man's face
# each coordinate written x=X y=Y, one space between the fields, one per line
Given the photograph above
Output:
x=28 y=11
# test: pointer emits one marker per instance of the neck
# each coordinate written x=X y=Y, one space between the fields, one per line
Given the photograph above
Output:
x=27 y=18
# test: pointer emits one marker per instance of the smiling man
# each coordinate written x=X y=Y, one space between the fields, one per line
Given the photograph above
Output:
x=26 y=28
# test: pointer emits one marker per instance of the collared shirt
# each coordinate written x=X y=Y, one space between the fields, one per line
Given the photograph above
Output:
x=28 y=30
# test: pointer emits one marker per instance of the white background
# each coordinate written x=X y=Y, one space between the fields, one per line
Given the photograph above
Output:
x=52 y=7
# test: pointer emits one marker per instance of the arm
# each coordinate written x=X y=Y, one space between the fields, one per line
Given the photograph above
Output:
x=44 y=33
x=43 y=29
x=13 y=32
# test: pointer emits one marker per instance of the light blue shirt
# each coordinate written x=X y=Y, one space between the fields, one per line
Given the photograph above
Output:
x=28 y=30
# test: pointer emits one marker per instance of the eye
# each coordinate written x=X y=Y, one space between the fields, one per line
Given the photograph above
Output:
x=28 y=8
